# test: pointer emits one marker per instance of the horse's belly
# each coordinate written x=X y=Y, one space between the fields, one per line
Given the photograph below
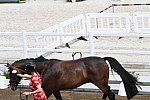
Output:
x=72 y=84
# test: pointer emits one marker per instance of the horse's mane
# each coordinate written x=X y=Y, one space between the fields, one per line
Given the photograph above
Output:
x=38 y=59
x=54 y=60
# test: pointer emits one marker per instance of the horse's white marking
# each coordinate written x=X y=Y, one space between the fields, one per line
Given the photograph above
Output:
x=14 y=71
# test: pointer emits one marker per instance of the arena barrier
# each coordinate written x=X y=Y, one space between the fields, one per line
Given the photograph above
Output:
x=115 y=5
x=91 y=25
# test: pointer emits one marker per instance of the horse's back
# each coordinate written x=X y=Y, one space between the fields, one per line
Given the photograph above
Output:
x=78 y=63
x=92 y=60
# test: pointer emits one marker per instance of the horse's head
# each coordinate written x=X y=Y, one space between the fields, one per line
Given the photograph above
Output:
x=18 y=67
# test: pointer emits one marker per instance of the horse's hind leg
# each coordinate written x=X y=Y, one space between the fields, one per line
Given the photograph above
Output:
x=57 y=95
x=101 y=81
x=107 y=92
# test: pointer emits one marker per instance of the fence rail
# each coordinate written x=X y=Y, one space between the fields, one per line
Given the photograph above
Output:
x=91 y=49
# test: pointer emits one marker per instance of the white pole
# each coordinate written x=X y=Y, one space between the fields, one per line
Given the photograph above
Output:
x=91 y=44
x=25 y=44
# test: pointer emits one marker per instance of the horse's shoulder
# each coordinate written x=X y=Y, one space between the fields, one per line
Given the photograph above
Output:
x=53 y=62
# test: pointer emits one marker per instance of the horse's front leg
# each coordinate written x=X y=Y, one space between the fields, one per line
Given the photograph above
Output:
x=57 y=95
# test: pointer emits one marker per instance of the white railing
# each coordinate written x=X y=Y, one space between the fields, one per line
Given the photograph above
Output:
x=141 y=22
x=48 y=41
x=71 y=26
x=94 y=24
x=27 y=46
x=108 y=22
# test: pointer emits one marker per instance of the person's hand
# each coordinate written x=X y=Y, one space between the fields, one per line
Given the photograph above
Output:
x=26 y=93
x=20 y=75
x=24 y=75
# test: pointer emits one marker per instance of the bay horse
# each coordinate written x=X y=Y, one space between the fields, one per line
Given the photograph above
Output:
x=59 y=75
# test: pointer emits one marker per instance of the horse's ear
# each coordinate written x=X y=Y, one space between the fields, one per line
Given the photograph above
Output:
x=10 y=69
x=7 y=65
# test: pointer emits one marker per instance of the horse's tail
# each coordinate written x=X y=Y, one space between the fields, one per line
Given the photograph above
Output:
x=129 y=81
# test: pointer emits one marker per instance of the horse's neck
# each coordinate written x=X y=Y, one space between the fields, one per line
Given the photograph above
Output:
x=40 y=67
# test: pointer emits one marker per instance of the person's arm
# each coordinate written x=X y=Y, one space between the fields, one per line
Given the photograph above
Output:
x=39 y=89
x=24 y=75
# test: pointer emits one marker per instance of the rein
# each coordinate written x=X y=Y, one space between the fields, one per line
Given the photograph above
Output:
x=22 y=86
x=21 y=92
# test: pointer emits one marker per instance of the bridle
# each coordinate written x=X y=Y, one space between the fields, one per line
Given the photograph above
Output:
x=21 y=92
x=18 y=69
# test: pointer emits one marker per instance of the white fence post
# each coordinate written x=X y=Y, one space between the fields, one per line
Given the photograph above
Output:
x=91 y=44
x=25 y=44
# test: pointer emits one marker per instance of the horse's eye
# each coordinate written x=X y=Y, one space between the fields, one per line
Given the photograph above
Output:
x=14 y=71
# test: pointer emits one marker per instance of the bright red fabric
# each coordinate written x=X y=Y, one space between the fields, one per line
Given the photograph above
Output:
x=36 y=80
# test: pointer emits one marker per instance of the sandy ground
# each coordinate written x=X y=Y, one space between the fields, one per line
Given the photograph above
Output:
x=67 y=95
x=41 y=14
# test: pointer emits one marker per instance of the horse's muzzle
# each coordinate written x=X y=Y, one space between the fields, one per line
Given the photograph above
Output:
x=13 y=86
